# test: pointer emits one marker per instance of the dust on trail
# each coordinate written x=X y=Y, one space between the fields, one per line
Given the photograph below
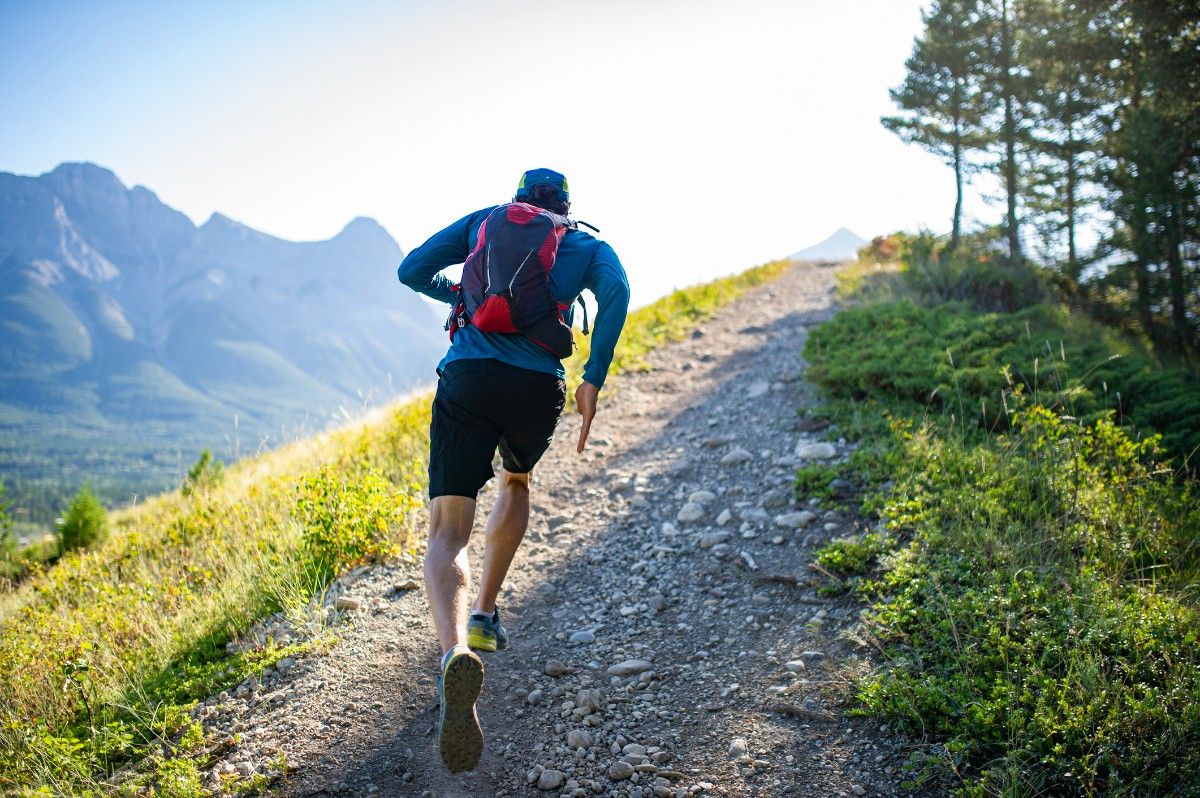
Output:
x=664 y=638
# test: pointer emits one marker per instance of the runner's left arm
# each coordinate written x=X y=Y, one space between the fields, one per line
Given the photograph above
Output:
x=607 y=281
x=421 y=269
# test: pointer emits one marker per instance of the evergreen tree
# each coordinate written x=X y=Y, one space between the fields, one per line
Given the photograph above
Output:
x=940 y=93
x=1067 y=56
x=84 y=524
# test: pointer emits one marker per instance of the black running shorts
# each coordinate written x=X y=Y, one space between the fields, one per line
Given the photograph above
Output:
x=484 y=404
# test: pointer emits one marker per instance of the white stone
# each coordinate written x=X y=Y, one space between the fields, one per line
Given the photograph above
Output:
x=795 y=520
x=629 y=667
x=690 y=512
x=724 y=517
x=702 y=497
x=713 y=539
x=757 y=389
x=820 y=450
x=737 y=456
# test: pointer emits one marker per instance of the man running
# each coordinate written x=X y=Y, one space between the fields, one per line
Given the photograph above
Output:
x=497 y=390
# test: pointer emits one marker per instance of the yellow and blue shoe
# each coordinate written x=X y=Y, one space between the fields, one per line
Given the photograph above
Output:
x=486 y=633
x=460 y=737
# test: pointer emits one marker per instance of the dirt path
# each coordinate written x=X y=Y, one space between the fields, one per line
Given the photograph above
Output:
x=652 y=652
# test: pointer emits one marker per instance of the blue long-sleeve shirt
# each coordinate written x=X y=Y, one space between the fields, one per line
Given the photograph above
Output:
x=582 y=262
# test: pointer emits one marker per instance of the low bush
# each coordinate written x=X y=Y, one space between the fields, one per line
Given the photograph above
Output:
x=950 y=358
x=1032 y=570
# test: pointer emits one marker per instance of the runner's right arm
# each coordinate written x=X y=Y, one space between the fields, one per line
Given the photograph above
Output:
x=421 y=269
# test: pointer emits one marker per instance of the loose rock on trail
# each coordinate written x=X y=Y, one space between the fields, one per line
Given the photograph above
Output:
x=665 y=640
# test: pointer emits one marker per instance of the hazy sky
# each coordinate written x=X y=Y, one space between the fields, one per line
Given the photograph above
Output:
x=701 y=137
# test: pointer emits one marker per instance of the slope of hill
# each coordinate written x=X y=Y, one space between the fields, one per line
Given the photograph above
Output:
x=842 y=245
x=124 y=324
x=149 y=612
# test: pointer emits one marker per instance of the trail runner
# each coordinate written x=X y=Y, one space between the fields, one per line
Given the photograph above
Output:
x=501 y=390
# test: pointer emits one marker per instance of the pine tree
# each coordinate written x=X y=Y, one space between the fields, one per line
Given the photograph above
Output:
x=84 y=524
x=940 y=93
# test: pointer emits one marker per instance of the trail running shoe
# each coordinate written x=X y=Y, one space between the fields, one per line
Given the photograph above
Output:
x=460 y=738
x=486 y=634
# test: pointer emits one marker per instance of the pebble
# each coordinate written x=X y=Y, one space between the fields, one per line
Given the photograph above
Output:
x=577 y=738
x=407 y=584
x=583 y=636
x=620 y=770
x=738 y=748
x=757 y=390
x=774 y=498
x=755 y=515
x=690 y=512
x=555 y=668
x=711 y=539
x=550 y=780
x=658 y=602
x=347 y=603
x=736 y=457
x=795 y=520
x=629 y=667
x=815 y=451
x=724 y=517
x=702 y=497
x=590 y=700
x=795 y=665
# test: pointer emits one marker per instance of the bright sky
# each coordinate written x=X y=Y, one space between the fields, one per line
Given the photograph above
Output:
x=701 y=137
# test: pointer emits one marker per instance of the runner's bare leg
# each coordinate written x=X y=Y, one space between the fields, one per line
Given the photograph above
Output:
x=447 y=571
x=506 y=527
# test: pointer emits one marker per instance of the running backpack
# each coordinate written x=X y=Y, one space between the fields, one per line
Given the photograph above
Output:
x=505 y=285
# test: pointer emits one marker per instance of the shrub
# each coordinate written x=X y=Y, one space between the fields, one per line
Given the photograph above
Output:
x=348 y=521
x=205 y=474
x=85 y=522
x=1035 y=593
x=952 y=358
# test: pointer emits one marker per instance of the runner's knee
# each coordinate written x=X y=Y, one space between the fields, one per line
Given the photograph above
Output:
x=450 y=520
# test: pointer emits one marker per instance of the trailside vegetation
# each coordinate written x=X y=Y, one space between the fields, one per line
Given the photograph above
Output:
x=1084 y=112
x=104 y=653
x=84 y=524
x=1034 y=547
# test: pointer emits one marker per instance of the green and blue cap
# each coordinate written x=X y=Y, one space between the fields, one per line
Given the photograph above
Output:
x=543 y=177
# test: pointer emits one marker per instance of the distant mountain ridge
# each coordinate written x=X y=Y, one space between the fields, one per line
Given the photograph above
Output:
x=842 y=245
x=120 y=317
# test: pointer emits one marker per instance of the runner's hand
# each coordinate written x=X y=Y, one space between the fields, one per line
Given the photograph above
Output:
x=585 y=403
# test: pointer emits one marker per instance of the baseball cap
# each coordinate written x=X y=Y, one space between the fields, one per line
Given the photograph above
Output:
x=543 y=177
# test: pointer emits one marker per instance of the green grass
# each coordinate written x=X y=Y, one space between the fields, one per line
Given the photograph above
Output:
x=103 y=652
x=1032 y=577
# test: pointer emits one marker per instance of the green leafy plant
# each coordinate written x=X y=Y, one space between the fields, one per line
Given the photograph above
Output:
x=205 y=474
x=1034 y=580
x=85 y=522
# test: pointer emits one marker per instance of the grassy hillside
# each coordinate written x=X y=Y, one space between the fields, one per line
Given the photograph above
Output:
x=102 y=654
x=1035 y=545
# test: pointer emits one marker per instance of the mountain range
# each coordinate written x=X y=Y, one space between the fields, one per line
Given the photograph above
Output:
x=842 y=245
x=122 y=322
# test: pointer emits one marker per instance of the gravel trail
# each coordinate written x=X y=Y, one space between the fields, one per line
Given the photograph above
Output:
x=667 y=639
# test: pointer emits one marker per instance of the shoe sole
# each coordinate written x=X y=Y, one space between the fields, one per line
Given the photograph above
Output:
x=460 y=739
x=481 y=642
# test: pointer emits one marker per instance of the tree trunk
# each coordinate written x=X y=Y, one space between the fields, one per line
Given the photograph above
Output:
x=1183 y=331
x=1072 y=180
x=1009 y=133
x=956 y=228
